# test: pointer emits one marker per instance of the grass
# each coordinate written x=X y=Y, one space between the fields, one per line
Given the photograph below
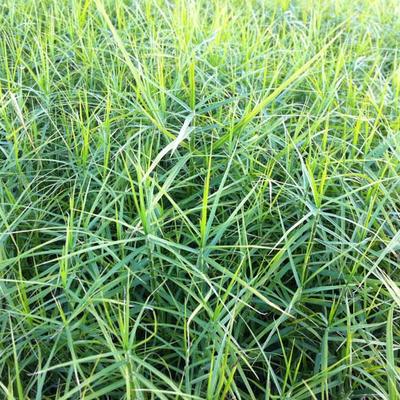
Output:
x=199 y=199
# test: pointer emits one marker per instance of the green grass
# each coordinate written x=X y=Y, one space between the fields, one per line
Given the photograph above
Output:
x=199 y=199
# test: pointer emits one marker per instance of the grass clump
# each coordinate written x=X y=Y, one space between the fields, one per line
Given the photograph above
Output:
x=199 y=199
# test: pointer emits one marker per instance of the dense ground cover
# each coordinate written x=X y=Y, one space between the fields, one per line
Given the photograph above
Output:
x=199 y=199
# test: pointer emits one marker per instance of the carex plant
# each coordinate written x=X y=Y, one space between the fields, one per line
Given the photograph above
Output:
x=199 y=199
